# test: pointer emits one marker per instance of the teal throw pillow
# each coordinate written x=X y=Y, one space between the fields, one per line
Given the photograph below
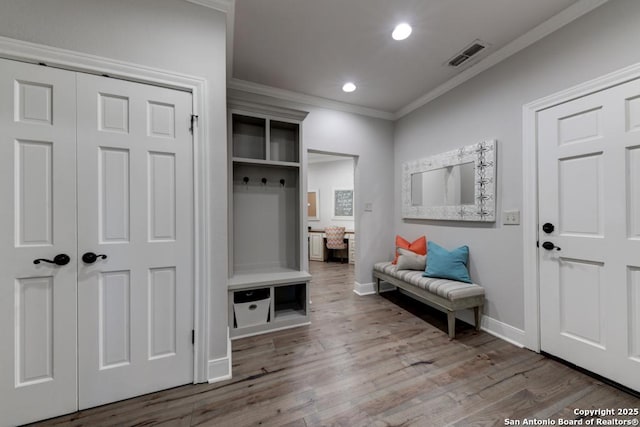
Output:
x=444 y=264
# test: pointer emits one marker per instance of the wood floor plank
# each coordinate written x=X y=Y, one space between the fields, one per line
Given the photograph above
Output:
x=374 y=361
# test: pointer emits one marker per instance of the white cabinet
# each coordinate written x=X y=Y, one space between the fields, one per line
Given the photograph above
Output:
x=267 y=216
x=316 y=246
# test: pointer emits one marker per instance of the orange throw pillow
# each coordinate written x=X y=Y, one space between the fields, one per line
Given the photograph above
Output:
x=418 y=246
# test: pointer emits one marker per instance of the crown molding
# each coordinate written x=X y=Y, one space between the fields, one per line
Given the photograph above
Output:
x=301 y=98
x=220 y=5
x=257 y=107
x=554 y=23
x=55 y=57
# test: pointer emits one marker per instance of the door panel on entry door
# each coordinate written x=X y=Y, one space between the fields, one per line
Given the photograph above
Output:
x=588 y=182
x=38 y=221
x=135 y=198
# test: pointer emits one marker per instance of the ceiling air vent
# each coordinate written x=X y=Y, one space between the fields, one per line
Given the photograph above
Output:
x=466 y=54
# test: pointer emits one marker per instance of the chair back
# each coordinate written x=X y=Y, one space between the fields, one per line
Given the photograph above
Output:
x=335 y=237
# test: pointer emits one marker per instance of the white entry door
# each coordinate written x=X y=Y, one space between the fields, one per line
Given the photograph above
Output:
x=92 y=165
x=589 y=193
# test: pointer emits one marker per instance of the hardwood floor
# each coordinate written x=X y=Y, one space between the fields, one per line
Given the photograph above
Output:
x=369 y=361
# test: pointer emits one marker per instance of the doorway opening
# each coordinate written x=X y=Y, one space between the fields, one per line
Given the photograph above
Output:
x=331 y=196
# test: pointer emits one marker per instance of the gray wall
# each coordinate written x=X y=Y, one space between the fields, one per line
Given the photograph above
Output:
x=490 y=106
x=371 y=140
x=172 y=35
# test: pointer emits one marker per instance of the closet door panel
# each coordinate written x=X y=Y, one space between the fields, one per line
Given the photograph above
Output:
x=135 y=207
x=38 y=222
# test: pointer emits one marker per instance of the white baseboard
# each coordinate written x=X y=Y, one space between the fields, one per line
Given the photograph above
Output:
x=503 y=331
x=220 y=369
x=363 y=289
x=488 y=324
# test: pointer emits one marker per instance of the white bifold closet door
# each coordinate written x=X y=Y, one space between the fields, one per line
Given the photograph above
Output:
x=92 y=165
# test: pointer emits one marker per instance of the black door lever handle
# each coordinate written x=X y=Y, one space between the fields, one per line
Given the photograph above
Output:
x=90 y=257
x=60 y=259
x=550 y=246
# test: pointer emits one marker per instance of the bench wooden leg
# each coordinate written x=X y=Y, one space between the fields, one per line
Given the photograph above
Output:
x=451 y=320
x=378 y=285
x=476 y=313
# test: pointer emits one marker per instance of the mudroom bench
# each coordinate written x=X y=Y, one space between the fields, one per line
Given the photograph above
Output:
x=449 y=295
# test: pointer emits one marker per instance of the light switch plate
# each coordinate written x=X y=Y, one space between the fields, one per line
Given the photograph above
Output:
x=511 y=217
x=368 y=207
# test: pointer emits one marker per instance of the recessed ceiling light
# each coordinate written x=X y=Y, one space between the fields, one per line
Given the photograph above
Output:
x=349 y=87
x=402 y=31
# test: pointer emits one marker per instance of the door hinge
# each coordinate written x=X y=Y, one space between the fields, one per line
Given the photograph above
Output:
x=193 y=336
x=537 y=243
x=194 y=120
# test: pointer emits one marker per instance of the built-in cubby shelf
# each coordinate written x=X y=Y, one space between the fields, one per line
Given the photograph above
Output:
x=266 y=219
x=289 y=301
x=249 y=137
x=284 y=142
x=262 y=138
x=269 y=307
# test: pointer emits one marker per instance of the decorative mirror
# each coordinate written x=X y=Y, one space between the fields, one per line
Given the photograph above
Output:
x=458 y=185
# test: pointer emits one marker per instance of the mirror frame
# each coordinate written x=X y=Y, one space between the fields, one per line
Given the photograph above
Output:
x=483 y=155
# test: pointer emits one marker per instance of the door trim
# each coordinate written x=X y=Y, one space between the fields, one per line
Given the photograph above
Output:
x=75 y=61
x=530 y=189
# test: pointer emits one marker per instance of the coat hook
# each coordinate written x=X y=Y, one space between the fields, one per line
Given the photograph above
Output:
x=282 y=182
x=264 y=181
x=245 y=180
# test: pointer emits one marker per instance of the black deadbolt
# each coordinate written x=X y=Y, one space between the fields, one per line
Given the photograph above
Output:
x=548 y=227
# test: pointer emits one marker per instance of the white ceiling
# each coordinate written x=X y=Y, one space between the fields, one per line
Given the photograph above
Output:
x=312 y=47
